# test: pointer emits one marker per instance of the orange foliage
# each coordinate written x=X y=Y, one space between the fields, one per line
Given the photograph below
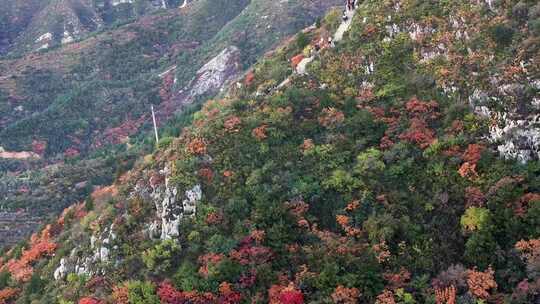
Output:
x=228 y=295
x=445 y=295
x=250 y=77
x=296 y=60
x=417 y=107
x=40 y=245
x=207 y=261
x=71 y=152
x=419 y=133
x=481 y=282
x=232 y=123
x=307 y=145
x=207 y=174
x=520 y=207
x=352 y=206
x=386 y=297
x=386 y=143
x=225 y=288
x=365 y=95
x=457 y=127
x=382 y=252
x=303 y=223
x=260 y=132
x=104 y=193
x=120 y=295
x=343 y=295
x=331 y=117
x=473 y=153
x=39 y=147
x=214 y=218
x=258 y=236
x=90 y=301
x=197 y=146
x=468 y=170
x=397 y=280
x=297 y=208
x=7 y=295
x=529 y=250
x=342 y=220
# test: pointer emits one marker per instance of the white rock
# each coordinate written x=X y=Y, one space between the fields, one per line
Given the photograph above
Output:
x=61 y=271
x=118 y=2
x=46 y=36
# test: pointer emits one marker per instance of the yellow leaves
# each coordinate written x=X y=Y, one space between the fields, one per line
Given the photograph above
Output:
x=475 y=218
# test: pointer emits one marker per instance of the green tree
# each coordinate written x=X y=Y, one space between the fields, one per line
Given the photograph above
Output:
x=160 y=258
x=142 y=293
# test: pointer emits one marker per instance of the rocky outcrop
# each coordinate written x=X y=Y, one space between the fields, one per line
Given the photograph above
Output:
x=211 y=79
x=171 y=208
x=82 y=262
x=516 y=130
x=215 y=74
x=62 y=270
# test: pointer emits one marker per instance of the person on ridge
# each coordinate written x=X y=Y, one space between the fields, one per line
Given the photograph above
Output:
x=351 y=5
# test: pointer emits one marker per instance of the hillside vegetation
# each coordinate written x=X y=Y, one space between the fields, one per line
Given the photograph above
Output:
x=78 y=108
x=402 y=167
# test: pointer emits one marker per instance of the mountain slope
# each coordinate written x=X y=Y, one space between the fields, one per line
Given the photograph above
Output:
x=80 y=106
x=375 y=177
x=38 y=25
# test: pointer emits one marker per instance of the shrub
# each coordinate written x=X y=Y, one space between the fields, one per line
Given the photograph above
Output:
x=160 y=258
x=142 y=293
x=302 y=40
x=502 y=35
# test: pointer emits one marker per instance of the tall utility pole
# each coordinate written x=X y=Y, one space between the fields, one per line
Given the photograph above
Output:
x=155 y=125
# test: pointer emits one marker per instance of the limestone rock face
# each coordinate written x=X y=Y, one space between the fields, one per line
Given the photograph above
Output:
x=171 y=207
x=516 y=130
x=217 y=72
x=88 y=263
x=61 y=271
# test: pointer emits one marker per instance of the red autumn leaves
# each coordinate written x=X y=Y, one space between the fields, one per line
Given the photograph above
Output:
x=40 y=245
x=418 y=116
x=8 y=294
x=421 y=114
x=279 y=294
x=170 y=295
x=471 y=157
